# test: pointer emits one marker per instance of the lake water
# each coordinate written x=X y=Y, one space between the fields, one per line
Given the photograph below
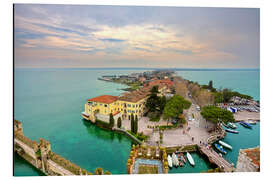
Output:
x=49 y=101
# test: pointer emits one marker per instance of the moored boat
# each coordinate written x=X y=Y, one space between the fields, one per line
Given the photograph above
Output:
x=225 y=125
x=190 y=159
x=220 y=148
x=232 y=125
x=247 y=125
x=232 y=131
x=182 y=157
x=251 y=122
x=225 y=145
x=175 y=160
x=170 y=161
x=85 y=115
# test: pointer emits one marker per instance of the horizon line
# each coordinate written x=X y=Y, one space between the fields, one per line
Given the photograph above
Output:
x=155 y=68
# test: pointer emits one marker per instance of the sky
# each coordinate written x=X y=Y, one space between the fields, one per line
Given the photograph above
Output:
x=76 y=36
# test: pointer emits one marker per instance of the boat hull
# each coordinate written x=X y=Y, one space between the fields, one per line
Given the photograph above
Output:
x=225 y=145
x=231 y=131
x=220 y=149
x=190 y=159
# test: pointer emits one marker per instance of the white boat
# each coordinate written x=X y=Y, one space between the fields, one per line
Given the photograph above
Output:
x=232 y=125
x=170 y=161
x=225 y=145
x=190 y=159
x=175 y=160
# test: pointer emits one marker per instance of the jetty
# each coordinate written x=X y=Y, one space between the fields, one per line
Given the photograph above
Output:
x=215 y=158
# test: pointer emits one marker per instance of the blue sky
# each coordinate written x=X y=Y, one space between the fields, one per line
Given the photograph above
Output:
x=134 y=36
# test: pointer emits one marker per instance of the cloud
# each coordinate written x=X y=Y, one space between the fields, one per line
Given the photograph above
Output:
x=112 y=40
x=160 y=36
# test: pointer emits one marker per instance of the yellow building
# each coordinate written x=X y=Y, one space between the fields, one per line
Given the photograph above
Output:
x=120 y=106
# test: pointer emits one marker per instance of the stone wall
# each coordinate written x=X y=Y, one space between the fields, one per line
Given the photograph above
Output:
x=245 y=164
x=41 y=156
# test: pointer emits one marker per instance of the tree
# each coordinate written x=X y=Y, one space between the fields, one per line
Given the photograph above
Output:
x=111 y=120
x=119 y=122
x=132 y=123
x=216 y=114
x=174 y=107
x=136 y=125
x=162 y=103
x=210 y=85
x=153 y=100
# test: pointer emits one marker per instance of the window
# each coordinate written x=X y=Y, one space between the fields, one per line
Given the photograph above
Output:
x=105 y=105
x=129 y=105
x=133 y=106
x=136 y=105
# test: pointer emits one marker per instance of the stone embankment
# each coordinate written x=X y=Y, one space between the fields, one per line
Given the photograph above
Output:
x=41 y=156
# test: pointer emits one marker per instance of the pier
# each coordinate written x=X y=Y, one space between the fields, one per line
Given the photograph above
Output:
x=215 y=158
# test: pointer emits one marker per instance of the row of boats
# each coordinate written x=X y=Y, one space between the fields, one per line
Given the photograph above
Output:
x=230 y=127
x=178 y=159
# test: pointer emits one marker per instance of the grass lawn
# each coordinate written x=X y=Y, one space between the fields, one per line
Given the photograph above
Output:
x=148 y=169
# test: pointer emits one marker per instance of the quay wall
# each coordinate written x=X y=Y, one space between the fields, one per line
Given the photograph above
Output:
x=41 y=157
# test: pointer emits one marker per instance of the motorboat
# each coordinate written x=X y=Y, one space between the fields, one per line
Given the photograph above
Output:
x=251 y=122
x=220 y=148
x=170 y=161
x=232 y=125
x=190 y=159
x=245 y=124
x=175 y=161
x=232 y=131
x=225 y=145
x=182 y=157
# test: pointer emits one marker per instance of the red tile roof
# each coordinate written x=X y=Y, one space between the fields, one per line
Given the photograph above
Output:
x=253 y=154
x=108 y=99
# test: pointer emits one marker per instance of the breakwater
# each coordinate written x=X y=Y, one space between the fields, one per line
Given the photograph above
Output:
x=43 y=158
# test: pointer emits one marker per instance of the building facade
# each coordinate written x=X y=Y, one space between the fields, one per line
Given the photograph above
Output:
x=120 y=106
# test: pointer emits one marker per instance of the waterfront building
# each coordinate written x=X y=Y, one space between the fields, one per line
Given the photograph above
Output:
x=120 y=106
x=248 y=160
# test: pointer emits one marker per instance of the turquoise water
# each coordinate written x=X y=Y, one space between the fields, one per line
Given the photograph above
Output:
x=49 y=101
x=246 y=138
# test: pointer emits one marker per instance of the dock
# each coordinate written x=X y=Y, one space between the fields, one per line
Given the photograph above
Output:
x=215 y=158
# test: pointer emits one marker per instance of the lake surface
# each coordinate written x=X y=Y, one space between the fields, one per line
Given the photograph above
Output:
x=49 y=101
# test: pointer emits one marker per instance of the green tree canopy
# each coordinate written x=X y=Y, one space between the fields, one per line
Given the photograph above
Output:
x=119 y=122
x=215 y=114
x=111 y=120
x=132 y=123
x=136 y=124
x=174 y=107
x=153 y=100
